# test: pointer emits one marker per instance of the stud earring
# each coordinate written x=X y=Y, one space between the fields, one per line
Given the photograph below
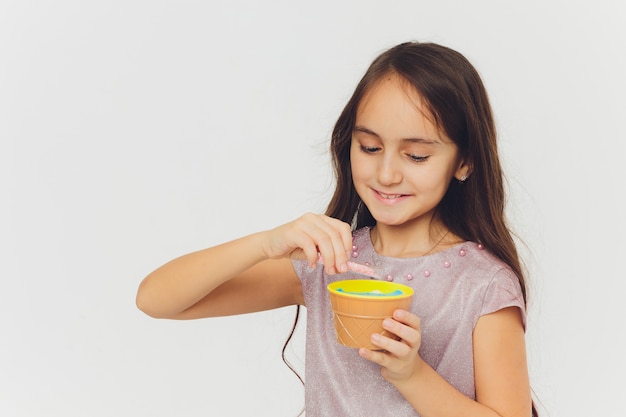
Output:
x=463 y=178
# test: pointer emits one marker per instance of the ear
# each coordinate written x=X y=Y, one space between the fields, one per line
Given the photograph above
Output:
x=463 y=171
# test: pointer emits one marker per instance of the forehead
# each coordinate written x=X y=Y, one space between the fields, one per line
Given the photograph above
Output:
x=392 y=106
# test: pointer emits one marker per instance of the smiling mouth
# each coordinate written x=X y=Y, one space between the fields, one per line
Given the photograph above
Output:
x=390 y=196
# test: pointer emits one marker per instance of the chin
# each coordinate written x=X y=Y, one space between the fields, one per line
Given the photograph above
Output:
x=400 y=219
x=389 y=220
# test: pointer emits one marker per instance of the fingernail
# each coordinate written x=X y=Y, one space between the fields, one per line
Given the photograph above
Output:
x=343 y=268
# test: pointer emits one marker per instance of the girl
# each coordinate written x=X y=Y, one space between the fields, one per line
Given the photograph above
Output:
x=420 y=195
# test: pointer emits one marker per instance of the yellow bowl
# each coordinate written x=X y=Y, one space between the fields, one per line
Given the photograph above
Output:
x=360 y=306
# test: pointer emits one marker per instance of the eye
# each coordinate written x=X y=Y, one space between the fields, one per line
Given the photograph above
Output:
x=369 y=149
x=418 y=158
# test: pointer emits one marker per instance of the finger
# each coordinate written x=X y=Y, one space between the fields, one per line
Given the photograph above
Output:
x=391 y=346
x=408 y=318
x=307 y=237
x=310 y=253
x=345 y=234
x=332 y=236
x=377 y=357
x=409 y=336
x=343 y=243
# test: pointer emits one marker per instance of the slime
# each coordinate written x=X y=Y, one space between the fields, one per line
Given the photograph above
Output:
x=362 y=269
x=377 y=293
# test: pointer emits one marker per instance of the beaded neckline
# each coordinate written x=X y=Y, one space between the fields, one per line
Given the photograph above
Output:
x=421 y=265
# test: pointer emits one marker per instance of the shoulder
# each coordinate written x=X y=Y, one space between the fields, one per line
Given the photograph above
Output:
x=469 y=263
x=479 y=266
x=499 y=287
x=481 y=276
x=492 y=270
x=481 y=260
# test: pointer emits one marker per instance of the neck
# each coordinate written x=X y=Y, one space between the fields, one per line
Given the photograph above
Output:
x=410 y=242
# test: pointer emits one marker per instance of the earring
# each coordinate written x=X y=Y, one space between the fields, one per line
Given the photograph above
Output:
x=463 y=178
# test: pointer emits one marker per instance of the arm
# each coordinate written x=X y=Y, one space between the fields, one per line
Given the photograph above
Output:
x=249 y=274
x=219 y=281
x=501 y=375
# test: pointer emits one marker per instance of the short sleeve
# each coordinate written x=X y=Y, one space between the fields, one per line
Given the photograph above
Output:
x=311 y=279
x=303 y=270
x=503 y=291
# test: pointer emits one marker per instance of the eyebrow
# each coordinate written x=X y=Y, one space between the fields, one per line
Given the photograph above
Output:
x=367 y=131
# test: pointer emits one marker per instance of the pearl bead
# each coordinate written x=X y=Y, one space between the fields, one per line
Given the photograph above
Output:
x=462 y=252
x=480 y=246
x=389 y=278
x=355 y=254
x=446 y=264
x=426 y=273
x=355 y=248
x=409 y=277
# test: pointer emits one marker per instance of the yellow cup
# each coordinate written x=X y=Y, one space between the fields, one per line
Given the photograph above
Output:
x=359 y=307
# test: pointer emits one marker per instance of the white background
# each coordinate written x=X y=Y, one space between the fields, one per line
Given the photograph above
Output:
x=135 y=131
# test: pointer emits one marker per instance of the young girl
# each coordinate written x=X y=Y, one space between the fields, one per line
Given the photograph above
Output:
x=420 y=195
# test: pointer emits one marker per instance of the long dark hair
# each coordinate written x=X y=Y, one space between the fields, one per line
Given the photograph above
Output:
x=455 y=96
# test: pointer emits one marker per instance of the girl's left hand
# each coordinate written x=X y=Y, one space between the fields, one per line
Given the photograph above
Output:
x=399 y=358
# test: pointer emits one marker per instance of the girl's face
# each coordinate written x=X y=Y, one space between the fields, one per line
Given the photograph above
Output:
x=401 y=162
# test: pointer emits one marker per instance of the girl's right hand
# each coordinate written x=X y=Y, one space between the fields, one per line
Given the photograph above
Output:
x=310 y=237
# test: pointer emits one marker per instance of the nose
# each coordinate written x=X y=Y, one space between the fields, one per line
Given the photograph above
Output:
x=389 y=171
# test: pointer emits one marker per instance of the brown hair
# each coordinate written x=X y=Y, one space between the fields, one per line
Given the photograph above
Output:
x=455 y=96
x=457 y=100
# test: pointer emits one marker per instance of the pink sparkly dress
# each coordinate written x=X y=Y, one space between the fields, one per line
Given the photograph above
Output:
x=453 y=288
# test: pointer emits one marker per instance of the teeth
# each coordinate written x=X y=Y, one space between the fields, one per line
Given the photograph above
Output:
x=390 y=196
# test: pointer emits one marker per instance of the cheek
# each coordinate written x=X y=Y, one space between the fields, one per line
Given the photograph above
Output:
x=433 y=182
x=362 y=172
x=356 y=167
x=357 y=175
